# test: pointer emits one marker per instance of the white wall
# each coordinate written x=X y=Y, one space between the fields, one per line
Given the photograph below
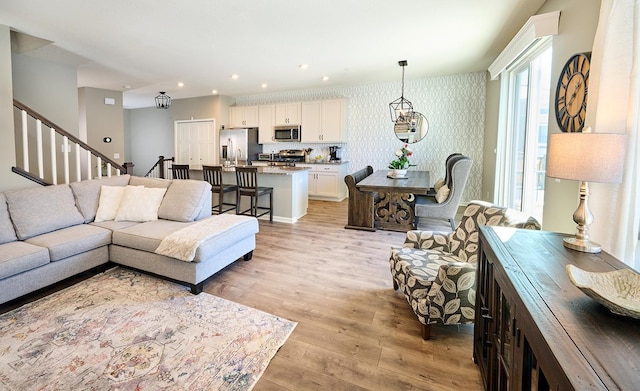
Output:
x=578 y=22
x=8 y=179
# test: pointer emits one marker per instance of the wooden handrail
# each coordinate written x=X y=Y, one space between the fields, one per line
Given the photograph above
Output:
x=30 y=176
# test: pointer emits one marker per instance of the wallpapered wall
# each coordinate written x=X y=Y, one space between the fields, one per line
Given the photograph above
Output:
x=453 y=105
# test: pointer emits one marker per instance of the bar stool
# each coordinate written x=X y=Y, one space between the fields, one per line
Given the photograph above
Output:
x=213 y=175
x=247 y=179
x=180 y=171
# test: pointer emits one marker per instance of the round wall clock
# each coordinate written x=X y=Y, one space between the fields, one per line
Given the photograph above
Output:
x=571 y=93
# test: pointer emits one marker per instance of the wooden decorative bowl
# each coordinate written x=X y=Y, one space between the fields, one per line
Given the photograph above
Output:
x=617 y=290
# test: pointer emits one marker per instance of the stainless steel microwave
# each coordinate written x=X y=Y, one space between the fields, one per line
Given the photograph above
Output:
x=287 y=133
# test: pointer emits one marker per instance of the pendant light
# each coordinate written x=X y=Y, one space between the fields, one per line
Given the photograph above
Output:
x=163 y=101
x=401 y=108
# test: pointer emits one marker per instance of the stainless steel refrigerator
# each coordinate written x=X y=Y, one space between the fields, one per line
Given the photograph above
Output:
x=239 y=145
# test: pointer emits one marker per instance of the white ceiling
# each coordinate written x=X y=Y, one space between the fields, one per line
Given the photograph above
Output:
x=152 y=45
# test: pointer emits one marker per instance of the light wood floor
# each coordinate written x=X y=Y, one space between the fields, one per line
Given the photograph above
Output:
x=354 y=331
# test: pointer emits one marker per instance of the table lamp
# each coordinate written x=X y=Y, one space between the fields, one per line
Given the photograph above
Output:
x=585 y=157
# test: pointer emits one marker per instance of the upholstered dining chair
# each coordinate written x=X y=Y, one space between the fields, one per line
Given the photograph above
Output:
x=180 y=171
x=444 y=205
x=247 y=180
x=213 y=175
x=447 y=173
x=436 y=272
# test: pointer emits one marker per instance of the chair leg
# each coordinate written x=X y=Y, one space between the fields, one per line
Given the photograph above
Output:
x=426 y=331
x=271 y=207
x=238 y=203
x=220 y=199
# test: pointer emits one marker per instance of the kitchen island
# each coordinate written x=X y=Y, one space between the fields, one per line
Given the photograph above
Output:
x=290 y=190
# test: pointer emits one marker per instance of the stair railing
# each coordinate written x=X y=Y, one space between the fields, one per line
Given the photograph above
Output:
x=161 y=168
x=38 y=148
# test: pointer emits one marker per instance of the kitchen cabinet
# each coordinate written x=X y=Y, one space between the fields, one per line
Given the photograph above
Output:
x=243 y=116
x=266 y=121
x=288 y=113
x=326 y=181
x=323 y=121
x=534 y=330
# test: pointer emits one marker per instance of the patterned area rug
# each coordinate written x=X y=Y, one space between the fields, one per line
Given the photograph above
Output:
x=123 y=330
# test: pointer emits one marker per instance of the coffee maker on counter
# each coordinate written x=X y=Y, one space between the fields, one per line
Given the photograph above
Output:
x=334 y=153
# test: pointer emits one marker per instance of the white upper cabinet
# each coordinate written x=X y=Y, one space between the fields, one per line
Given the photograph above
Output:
x=266 y=119
x=243 y=116
x=323 y=121
x=287 y=113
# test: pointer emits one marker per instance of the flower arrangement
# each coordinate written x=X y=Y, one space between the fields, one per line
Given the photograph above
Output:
x=402 y=161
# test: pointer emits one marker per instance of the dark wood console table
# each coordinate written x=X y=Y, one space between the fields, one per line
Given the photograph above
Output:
x=534 y=330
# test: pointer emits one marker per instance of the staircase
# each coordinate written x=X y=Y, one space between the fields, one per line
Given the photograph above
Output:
x=50 y=155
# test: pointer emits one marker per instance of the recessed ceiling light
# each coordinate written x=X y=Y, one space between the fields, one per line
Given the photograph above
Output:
x=325 y=78
x=235 y=76
x=180 y=84
x=214 y=92
x=263 y=85
x=303 y=66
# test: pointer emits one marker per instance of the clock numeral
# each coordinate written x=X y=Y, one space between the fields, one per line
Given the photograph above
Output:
x=561 y=100
x=565 y=121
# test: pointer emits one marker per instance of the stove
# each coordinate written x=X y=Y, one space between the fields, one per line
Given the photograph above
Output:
x=286 y=157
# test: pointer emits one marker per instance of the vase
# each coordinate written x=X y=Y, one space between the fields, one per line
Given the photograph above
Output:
x=399 y=173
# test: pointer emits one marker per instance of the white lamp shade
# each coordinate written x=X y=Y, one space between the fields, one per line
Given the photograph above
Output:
x=589 y=157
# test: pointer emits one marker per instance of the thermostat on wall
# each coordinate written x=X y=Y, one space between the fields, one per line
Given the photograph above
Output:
x=109 y=101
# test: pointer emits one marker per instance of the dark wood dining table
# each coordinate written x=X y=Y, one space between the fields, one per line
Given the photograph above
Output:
x=395 y=210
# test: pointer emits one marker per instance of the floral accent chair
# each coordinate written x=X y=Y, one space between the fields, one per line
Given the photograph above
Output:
x=437 y=271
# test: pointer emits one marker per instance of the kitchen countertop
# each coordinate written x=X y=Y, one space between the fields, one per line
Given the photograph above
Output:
x=323 y=162
x=277 y=170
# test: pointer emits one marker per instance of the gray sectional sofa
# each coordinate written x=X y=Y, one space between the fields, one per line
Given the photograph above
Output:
x=51 y=233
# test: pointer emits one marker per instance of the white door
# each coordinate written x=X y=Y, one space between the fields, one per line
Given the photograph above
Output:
x=196 y=143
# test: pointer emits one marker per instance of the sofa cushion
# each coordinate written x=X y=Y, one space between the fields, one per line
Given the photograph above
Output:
x=40 y=210
x=73 y=240
x=114 y=225
x=87 y=193
x=147 y=236
x=183 y=200
x=7 y=233
x=18 y=257
x=149 y=182
x=140 y=204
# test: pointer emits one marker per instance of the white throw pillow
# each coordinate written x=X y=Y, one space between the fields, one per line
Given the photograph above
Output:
x=438 y=185
x=442 y=194
x=109 y=202
x=140 y=204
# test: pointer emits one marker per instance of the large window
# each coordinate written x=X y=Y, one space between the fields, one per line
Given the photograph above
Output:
x=522 y=141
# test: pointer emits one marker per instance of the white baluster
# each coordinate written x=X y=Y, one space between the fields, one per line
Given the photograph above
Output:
x=54 y=163
x=108 y=170
x=65 y=156
x=25 y=142
x=39 y=147
x=89 y=173
x=99 y=169
x=78 y=171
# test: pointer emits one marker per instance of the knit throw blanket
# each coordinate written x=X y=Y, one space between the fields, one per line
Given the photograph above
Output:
x=184 y=243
